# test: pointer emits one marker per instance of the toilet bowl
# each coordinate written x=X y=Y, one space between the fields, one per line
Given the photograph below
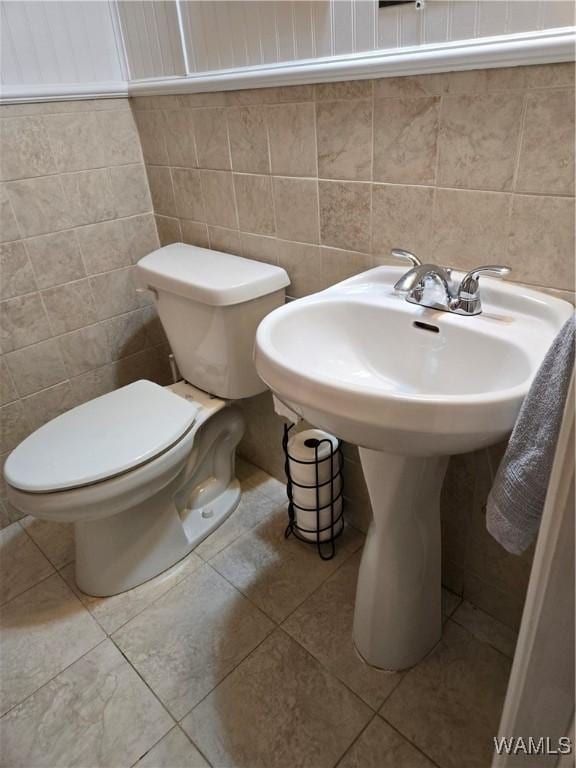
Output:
x=145 y=472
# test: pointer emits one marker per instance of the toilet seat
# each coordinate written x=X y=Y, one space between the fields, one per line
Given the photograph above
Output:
x=106 y=437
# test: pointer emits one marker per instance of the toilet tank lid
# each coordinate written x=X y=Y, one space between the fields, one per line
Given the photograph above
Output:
x=210 y=277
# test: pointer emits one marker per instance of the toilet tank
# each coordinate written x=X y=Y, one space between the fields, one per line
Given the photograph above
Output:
x=210 y=304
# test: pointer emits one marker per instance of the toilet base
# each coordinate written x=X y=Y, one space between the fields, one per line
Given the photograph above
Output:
x=119 y=552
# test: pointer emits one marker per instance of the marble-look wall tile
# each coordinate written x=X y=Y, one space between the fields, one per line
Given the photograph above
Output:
x=547 y=154
x=194 y=233
x=26 y=150
x=104 y=246
x=188 y=194
x=17 y=276
x=259 y=248
x=89 y=196
x=292 y=138
x=152 y=133
x=409 y=87
x=36 y=367
x=225 y=240
x=219 y=199
x=248 y=139
x=405 y=139
x=169 y=230
x=8 y=391
x=541 y=240
x=114 y=293
x=56 y=258
x=338 y=265
x=303 y=264
x=211 y=134
x=255 y=203
x=345 y=214
x=179 y=126
x=129 y=190
x=75 y=142
x=48 y=403
x=9 y=229
x=161 y=189
x=344 y=130
x=395 y=210
x=478 y=142
x=296 y=206
x=70 y=306
x=351 y=89
x=470 y=228
x=23 y=321
x=85 y=349
x=40 y=205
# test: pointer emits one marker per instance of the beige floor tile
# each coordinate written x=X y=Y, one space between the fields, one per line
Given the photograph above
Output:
x=279 y=708
x=42 y=632
x=323 y=625
x=21 y=563
x=277 y=573
x=486 y=628
x=185 y=644
x=112 y=612
x=56 y=540
x=450 y=704
x=175 y=750
x=380 y=746
x=254 y=507
x=254 y=478
x=450 y=601
x=97 y=713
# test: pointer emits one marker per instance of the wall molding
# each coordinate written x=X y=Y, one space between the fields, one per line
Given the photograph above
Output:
x=22 y=94
x=546 y=47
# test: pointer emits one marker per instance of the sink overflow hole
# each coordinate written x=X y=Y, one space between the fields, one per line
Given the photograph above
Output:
x=426 y=326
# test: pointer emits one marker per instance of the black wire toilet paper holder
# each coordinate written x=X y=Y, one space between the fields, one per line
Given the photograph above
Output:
x=326 y=547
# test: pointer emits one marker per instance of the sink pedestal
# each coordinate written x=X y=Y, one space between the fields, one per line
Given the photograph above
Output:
x=398 y=615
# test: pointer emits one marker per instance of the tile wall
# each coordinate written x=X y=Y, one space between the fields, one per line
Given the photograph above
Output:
x=75 y=216
x=462 y=168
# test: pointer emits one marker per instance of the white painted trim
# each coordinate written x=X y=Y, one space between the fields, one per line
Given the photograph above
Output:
x=549 y=46
x=21 y=94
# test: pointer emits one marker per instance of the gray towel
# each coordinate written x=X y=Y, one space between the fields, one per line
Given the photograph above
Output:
x=517 y=497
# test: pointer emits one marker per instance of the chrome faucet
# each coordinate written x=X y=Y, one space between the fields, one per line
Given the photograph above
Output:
x=460 y=297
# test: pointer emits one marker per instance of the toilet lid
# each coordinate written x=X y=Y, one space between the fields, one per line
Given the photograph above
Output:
x=100 y=439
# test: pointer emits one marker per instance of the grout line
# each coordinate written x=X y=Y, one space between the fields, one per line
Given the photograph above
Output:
x=406 y=738
x=194 y=744
x=520 y=142
x=354 y=741
x=24 y=700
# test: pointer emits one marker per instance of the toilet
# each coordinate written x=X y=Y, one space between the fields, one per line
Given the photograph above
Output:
x=146 y=472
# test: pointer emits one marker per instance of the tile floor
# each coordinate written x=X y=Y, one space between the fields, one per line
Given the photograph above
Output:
x=239 y=655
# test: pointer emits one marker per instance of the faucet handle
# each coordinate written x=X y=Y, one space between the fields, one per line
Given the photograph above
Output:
x=400 y=253
x=469 y=283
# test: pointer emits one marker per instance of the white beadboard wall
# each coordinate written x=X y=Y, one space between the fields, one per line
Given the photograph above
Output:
x=46 y=43
x=54 y=49
x=220 y=34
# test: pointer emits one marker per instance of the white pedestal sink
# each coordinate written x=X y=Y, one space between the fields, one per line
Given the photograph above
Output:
x=410 y=386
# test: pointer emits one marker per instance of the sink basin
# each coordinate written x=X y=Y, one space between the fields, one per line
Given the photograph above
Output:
x=410 y=386
x=360 y=361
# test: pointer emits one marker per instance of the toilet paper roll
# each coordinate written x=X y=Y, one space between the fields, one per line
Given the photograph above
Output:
x=307 y=520
x=306 y=497
x=302 y=448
